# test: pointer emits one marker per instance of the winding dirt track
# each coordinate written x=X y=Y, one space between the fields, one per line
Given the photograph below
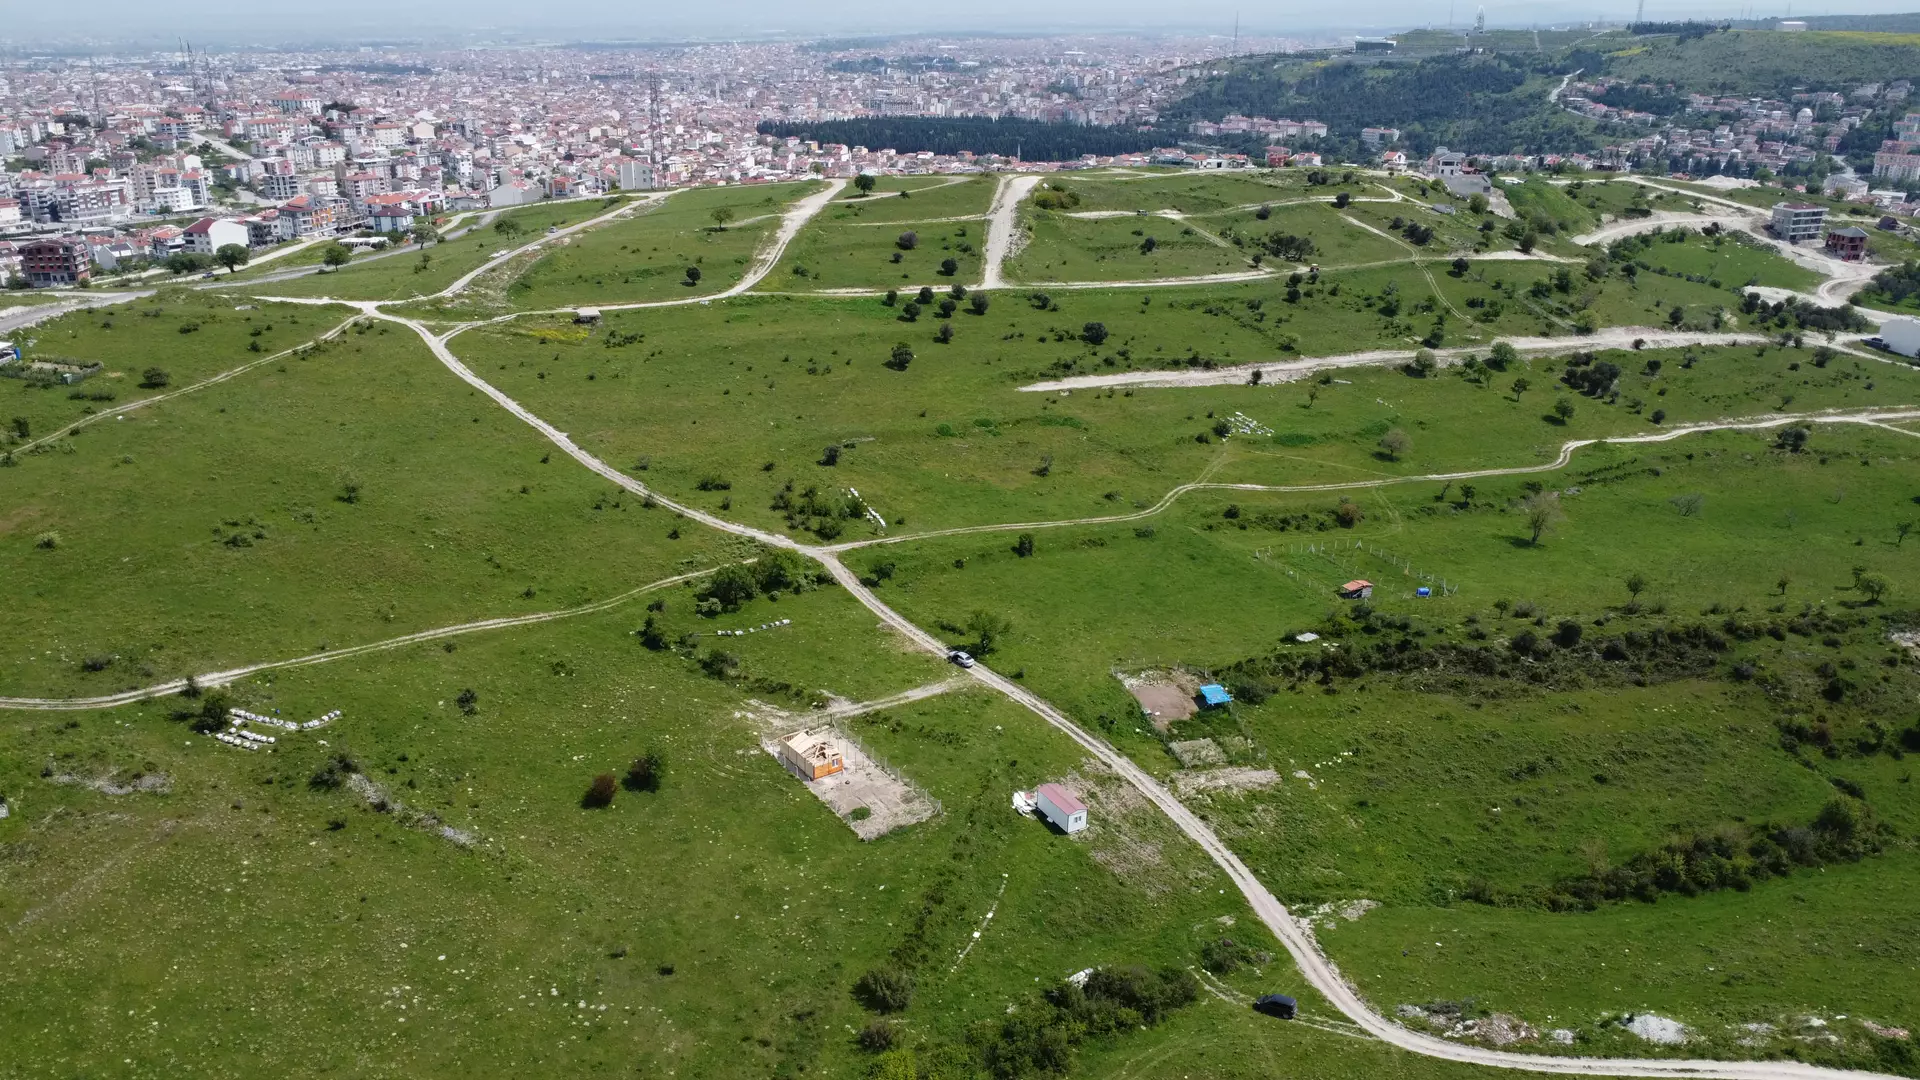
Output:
x=221 y=678
x=1298 y=939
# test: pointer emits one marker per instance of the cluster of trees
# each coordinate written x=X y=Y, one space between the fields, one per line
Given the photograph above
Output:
x=1795 y=313
x=1589 y=375
x=1033 y=140
x=1896 y=284
x=772 y=573
x=1288 y=246
x=818 y=512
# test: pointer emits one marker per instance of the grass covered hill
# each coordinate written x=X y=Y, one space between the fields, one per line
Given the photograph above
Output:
x=1745 y=62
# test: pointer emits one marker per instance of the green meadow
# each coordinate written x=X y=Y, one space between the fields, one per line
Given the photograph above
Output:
x=1645 y=747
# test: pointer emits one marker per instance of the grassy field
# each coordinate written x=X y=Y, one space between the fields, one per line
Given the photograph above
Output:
x=253 y=922
x=646 y=256
x=910 y=199
x=187 y=335
x=1061 y=248
x=879 y=256
x=402 y=276
x=215 y=529
x=1694 y=647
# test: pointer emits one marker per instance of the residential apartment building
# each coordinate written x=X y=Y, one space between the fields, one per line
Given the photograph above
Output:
x=1798 y=222
x=56 y=261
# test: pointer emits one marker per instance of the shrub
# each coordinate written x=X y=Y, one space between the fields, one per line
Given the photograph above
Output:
x=907 y=241
x=901 y=356
x=877 y=1037
x=47 y=541
x=599 y=794
x=1094 y=333
x=1225 y=956
x=885 y=989
x=646 y=772
x=154 y=378
x=334 y=773
x=97 y=662
x=469 y=701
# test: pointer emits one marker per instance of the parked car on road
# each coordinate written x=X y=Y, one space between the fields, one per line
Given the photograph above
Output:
x=959 y=656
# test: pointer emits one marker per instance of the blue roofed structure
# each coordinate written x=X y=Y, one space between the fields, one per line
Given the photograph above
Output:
x=1213 y=695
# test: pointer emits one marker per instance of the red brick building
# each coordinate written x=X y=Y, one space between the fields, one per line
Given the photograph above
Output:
x=1848 y=244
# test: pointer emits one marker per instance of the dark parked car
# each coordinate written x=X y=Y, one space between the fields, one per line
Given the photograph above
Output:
x=1278 y=1005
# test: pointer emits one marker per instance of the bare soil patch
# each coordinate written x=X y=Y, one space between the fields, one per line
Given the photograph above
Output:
x=1201 y=781
x=1165 y=696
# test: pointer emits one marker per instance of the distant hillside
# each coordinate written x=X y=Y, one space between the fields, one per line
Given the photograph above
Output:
x=1747 y=62
x=1480 y=103
x=1880 y=24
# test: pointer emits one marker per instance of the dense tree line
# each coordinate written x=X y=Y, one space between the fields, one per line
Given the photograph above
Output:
x=1033 y=140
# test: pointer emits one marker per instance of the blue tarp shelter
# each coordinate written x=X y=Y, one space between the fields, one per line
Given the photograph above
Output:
x=1214 y=695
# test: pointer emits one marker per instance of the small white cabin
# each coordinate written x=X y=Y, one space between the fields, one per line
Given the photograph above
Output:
x=1060 y=807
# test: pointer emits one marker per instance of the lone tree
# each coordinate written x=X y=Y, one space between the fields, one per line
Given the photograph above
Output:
x=1023 y=546
x=154 y=378
x=1502 y=356
x=1873 y=585
x=1793 y=439
x=721 y=215
x=507 y=226
x=1395 y=443
x=693 y=275
x=902 y=356
x=907 y=241
x=336 y=255
x=599 y=794
x=232 y=256
x=949 y=266
x=1563 y=409
x=987 y=630
x=1542 y=510
x=910 y=311
x=1636 y=584
x=978 y=303
x=1094 y=333
x=1461 y=266
x=945 y=334
x=864 y=183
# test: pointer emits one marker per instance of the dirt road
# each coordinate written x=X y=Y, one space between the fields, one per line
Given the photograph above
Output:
x=1277 y=371
x=1002 y=221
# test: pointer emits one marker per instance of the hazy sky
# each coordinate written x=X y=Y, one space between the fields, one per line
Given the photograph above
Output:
x=231 y=21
